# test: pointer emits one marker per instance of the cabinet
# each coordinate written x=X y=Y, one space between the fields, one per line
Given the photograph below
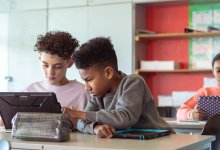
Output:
x=170 y=42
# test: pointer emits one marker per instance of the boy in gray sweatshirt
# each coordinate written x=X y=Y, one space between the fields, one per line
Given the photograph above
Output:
x=118 y=101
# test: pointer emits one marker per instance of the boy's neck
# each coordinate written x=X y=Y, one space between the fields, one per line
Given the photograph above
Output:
x=64 y=81
x=116 y=80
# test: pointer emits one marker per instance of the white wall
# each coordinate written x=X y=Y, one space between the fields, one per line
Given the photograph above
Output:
x=73 y=20
x=3 y=51
x=114 y=21
x=84 y=19
x=24 y=64
x=85 y=22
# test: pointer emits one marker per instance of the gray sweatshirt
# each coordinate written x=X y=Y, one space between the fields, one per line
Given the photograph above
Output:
x=131 y=106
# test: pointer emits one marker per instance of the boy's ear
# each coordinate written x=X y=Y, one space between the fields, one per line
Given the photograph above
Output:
x=70 y=63
x=109 y=72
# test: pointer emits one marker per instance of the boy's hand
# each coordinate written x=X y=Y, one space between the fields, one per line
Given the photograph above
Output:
x=104 y=131
x=74 y=114
x=1 y=122
x=196 y=114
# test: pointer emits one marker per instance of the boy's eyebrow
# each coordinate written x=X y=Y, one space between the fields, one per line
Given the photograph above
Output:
x=44 y=62
x=53 y=64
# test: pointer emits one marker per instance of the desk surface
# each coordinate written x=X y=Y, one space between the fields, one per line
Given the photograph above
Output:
x=82 y=141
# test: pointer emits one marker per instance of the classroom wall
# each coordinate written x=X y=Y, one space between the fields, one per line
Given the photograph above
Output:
x=83 y=19
x=3 y=50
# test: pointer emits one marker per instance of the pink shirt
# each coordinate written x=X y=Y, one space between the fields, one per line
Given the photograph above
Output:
x=184 y=110
x=72 y=95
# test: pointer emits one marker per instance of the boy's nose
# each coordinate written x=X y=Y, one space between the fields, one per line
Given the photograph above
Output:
x=51 y=71
x=88 y=87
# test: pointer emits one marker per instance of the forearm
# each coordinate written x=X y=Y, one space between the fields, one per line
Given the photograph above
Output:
x=78 y=115
x=119 y=119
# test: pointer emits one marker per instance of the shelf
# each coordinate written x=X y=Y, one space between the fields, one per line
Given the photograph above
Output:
x=141 y=37
x=138 y=71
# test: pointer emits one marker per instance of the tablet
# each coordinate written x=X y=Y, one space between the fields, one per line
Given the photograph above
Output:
x=209 y=104
x=141 y=134
x=13 y=102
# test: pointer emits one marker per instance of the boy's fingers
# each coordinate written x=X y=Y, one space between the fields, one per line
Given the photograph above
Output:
x=112 y=129
x=106 y=131
x=196 y=106
x=101 y=135
x=108 y=128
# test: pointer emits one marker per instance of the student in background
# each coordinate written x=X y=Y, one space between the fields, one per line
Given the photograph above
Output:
x=55 y=54
x=119 y=101
x=189 y=111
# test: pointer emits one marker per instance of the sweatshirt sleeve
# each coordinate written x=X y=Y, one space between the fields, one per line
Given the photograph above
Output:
x=183 y=112
x=128 y=106
x=84 y=125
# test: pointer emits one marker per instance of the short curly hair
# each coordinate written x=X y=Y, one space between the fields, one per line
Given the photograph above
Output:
x=215 y=58
x=57 y=43
x=97 y=52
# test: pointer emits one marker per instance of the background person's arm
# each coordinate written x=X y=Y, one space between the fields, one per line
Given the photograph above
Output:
x=187 y=108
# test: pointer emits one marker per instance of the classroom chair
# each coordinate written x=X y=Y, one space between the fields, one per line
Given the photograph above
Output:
x=4 y=144
x=212 y=127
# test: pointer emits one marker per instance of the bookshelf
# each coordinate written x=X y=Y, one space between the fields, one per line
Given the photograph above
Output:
x=144 y=37
x=139 y=71
x=169 y=43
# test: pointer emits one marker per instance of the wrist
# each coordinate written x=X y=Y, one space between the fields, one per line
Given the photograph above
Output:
x=81 y=115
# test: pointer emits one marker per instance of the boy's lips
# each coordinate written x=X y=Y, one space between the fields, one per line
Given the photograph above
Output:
x=50 y=78
x=91 y=93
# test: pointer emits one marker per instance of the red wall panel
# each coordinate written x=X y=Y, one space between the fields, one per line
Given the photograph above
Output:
x=170 y=19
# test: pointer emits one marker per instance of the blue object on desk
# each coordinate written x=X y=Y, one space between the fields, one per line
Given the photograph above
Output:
x=141 y=134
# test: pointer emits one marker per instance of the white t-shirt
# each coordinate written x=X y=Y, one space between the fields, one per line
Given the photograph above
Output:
x=72 y=95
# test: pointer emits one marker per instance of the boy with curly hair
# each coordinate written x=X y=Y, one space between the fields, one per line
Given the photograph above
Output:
x=55 y=54
x=56 y=49
x=119 y=101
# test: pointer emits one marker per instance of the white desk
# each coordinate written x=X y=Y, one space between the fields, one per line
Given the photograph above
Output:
x=80 y=141
x=186 y=127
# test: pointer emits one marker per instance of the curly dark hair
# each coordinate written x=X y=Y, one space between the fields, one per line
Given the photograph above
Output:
x=215 y=58
x=57 y=43
x=97 y=52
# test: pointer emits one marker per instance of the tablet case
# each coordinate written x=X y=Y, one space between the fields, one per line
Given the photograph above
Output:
x=13 y=102
x=209 y=104
x=51 y=127
x=141 y=134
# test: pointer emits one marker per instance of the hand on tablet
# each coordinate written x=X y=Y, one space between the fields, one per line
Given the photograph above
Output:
x=104 y=131
x=74 y=114
x=197 y=114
